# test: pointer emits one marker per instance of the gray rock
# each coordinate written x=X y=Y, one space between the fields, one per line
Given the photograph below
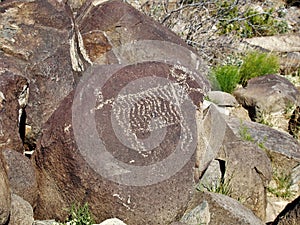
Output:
x=44 y=222
x=199 y=215
x=283 y=149
x=221 y=209
x=248 y=172
x=282 y=43
x=270 y=94
x=222 y=98
x=113 y=221
x=5 y=197
x=21 y=212
x=21 y=175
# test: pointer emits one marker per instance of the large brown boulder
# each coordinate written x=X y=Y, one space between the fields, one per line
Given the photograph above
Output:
x=5 y=198
x=73 y=167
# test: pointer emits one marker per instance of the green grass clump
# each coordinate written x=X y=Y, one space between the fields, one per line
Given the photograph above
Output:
x=223 y=186
x=245 y=134
x=283 y=183
x=258 y=64
x=79 y=215
x=254 y=64
x=226 y=77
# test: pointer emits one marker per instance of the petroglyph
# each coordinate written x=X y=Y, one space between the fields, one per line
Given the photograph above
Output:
x=151 y=111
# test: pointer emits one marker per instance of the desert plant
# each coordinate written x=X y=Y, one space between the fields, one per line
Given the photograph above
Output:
x=249 y=22
x=223 y=186
x=244 y=133
x=258 y=64
x=282 y=187
x=79 y=215
x=225 y=77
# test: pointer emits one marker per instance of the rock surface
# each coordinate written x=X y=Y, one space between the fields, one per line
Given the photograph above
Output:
x=248 y=171
x=294 y=123
x=21 y=211
x=40 y=48
x=290 y=215
x=113 y=221
x=222 y=99
x=12 y=87
x=220 y=209
x=5 y=197
x=284 y=149
x=73 y=174
x=21 y=175
x=266 y=95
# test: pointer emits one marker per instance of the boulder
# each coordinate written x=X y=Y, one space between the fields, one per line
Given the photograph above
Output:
x=283 y=150
x=21 y=175
x=218 y=209
x=134 y=129
x=222 y=99
x=113 y=221
x=70 y=171
x=5 y=197
x=282 y=43
x=290 y=215
x=13 y=97
x=21 y=211
x=269 y=94
x=40 y=48
x=248 y=172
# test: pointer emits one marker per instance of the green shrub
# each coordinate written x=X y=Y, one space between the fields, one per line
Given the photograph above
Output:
x=258 y=64
x=283 y=183
x=223 y=186
x=249 y=23
x=225 y=77
x=79 y=215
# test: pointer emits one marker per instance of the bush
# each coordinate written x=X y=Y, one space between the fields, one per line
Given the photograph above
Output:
x=225 y=77
x=249 y=23
x=79 y=215
x=258 y=64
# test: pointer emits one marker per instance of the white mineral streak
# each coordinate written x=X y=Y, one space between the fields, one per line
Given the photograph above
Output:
x=77 y=64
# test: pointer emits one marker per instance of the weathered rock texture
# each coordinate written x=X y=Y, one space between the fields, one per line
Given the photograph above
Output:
x=12 y=87
x=21 y=211
x=35 y=39
x=248 y=171
x=65 y=175
x=284 y=150
x=5 y=198
x=218 y=209
x=294 y=123
x=70 y=177
x=266 y=95
x=21 y=175
x=290 y=215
